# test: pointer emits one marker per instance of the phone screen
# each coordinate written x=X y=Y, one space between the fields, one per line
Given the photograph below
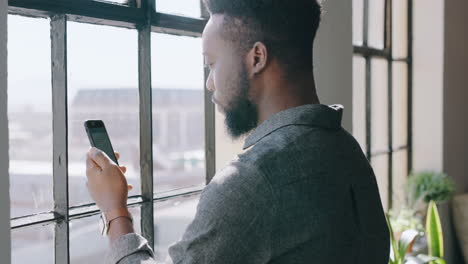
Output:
x=99 y=138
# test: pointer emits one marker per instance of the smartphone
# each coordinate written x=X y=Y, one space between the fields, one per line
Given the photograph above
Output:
x=99 y=138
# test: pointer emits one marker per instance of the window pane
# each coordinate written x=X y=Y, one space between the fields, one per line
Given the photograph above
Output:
x=87 y=245
x=376 y=23
x=171 y=218
x=400 y=28
x=30 y=115
x=380 y=166
x=103 y=84
x=379 y=105
x=359 y=101
x=180 y=7
x=33 y=244
x=400 y=174
x=400 y=104
x=178 y=110
x=358 y=21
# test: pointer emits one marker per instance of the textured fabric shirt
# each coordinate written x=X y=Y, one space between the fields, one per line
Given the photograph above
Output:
x=301 y=192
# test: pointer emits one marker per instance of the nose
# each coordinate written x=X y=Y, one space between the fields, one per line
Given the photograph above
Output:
x=209 y=83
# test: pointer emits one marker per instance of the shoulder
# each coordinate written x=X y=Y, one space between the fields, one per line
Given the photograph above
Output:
x=286 y=140
x=297 y=152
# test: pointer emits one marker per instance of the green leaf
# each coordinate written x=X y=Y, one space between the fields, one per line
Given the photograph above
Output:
x=396 y=257
x=439 y=261
x=434 y=231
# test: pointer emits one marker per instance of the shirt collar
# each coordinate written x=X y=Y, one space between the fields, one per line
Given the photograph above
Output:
x=316 y=115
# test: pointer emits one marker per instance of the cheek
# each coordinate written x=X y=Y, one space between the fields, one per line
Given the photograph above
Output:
x=222 y=83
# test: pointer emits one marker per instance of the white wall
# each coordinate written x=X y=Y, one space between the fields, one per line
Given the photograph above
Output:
x=428 y=89
x=333 y=52
x=440 y=126
x=333 y=60
x=455 y=113
x=4 y=177
x=456 y=93
x=428 y=84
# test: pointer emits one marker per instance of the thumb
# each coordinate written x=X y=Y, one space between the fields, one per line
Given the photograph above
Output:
x=130 y=187
x=98 y=156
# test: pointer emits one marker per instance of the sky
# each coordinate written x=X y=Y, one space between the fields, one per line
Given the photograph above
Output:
x=99 y=57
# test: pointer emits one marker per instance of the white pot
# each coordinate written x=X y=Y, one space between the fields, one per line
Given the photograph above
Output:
x=460 y=218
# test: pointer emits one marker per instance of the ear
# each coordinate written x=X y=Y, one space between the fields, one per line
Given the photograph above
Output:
x=257 y=58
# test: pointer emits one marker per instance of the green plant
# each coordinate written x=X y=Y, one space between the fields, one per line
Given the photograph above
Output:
x=435 y=239
x=400 y=247
x=428 y=186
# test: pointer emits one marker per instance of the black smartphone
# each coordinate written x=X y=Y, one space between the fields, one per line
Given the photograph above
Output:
x=99 y=138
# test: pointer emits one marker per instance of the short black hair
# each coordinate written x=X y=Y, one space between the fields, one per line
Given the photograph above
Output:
x=286 y=27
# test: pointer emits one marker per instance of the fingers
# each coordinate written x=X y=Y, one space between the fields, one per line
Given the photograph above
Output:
x=123 y=169
x=91 y=167
x=117 y=155
x=99 y=157
x=130 y=187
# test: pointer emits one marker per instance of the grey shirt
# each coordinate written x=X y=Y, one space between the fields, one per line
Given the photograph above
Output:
x=301 y=192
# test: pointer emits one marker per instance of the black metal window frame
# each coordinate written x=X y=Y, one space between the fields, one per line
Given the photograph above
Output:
x=368 y=53
x=141 y=15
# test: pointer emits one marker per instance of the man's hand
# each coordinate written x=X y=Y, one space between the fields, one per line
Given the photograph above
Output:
x=106 y=181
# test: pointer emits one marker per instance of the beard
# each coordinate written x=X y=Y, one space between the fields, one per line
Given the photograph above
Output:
x=242 y=114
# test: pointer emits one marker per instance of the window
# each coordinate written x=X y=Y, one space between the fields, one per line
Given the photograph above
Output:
x=178 y=84
x=190 y=8
x=30 y=116
x=85 y=232
x=173 y=217
x=102 y=84
x=33 y=244
x=115 y=61
x=382 y=91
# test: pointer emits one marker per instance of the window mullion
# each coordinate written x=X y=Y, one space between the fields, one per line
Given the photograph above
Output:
x=367 y=57
x=60 y=147
x=365 y=35
x=389 y=43
x=368 y=109
x=410 y=86
x=146 y=133
x=210 y=136
x=5 y=250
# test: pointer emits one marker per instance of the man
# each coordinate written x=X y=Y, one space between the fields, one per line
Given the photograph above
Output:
x=302 y=191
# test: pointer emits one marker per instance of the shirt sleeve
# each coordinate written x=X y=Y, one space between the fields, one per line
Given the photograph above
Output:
x=232 y=223
x=130 y=248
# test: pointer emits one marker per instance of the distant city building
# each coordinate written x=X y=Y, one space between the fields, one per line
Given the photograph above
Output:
x=178 y=120
x=178 y=143
x=178 y=115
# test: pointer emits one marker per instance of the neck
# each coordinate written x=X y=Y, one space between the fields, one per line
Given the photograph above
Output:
x=283 y=94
